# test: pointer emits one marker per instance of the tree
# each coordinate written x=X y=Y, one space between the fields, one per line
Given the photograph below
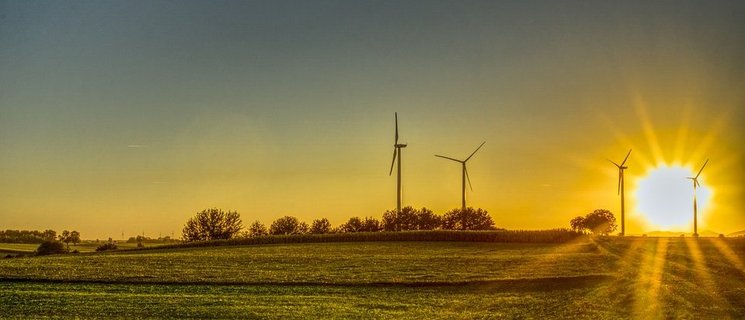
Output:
x=65 y=237
x=320 y=226
x=370 y=224
x=354 y=224
x=50 y=235
x=257 y=229
x=212 y=224
x=428 y=220
x=600 y=221
x=50 y=247
x=288 y=225
x=577 y=224
x=390 y=220
x=410 y=219
x=467 y=219
x=75 y=237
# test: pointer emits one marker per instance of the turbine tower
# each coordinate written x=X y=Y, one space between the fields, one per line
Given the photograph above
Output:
x=464 y=174
x=397 y=155
x=695 y=206
x=621 y=168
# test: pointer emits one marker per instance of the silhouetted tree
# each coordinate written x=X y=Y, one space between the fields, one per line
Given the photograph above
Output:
x=212 y=224
x=370 y=224
x=390 y=220
x=257 y=229
x=75 y=237
x=600 y=221
x=407 y=219
x=577 y=224
x=467 y=219
x=428 y=220
x=320 y=226
x=50 y=235
x=65 y=237
x=354 y=224
x=288 y=225
x=410 y=219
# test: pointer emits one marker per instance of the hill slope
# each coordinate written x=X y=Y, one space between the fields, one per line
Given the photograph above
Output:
x=612 y=278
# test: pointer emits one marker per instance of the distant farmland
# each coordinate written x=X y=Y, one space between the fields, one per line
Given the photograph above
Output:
x=583 y=278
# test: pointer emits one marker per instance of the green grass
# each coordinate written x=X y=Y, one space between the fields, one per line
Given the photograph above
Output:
x=615 y=278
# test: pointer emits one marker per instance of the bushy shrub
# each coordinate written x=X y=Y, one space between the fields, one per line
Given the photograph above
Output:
x=107 y=246
x=50 y=247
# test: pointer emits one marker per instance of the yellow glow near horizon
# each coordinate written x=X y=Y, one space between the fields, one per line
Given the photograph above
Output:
x=664 y=197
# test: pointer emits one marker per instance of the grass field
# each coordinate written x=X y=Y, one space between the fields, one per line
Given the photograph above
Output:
x=616 y=278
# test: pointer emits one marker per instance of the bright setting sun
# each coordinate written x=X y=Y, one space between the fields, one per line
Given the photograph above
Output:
x=664 y=197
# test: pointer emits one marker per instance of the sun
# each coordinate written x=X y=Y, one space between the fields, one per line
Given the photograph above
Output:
x=664 y=197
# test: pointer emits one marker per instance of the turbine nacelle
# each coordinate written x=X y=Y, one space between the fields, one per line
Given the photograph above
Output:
x=464 y=172
x=621 y=167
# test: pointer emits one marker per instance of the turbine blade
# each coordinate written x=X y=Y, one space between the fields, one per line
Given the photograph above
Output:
x=627 y=158
x=615 y=164
x=620 y=177
x=396 y=115
x=393 y=162
x=474 y=151
x=702 y=168
x=444 y=157
x=468 y=178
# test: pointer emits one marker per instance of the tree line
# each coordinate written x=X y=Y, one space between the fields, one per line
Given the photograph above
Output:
x=216 y=224
x=36 y=236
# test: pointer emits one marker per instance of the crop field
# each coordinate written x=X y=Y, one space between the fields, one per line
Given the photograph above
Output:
x=600 y=278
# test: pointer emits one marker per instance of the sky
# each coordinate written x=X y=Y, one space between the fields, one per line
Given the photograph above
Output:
x=128 y=117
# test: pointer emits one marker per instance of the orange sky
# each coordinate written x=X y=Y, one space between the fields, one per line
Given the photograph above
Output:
x=124 y=118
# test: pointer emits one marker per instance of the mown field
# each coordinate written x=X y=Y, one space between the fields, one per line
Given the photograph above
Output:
x=614 y=278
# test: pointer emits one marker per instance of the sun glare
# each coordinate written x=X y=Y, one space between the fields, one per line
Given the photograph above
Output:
x=665 y=198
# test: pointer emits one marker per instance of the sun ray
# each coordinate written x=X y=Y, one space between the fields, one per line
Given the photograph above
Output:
x=551 y=260
x=649 y=131
x=622 y=139
x=649 y=281
x=711 y=137
x=704 y=277
x=682 y=135
x=627 y=267
x=729 y=254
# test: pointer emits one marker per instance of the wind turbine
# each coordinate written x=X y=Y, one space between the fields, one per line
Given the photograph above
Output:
x=464 y=174
x=397 y=155
x=621 y=168
x=695 y=206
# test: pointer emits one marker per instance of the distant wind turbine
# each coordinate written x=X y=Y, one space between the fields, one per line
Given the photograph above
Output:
x=695 y=206
x=621 y=168
x=397 y=155
x=464 y=174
